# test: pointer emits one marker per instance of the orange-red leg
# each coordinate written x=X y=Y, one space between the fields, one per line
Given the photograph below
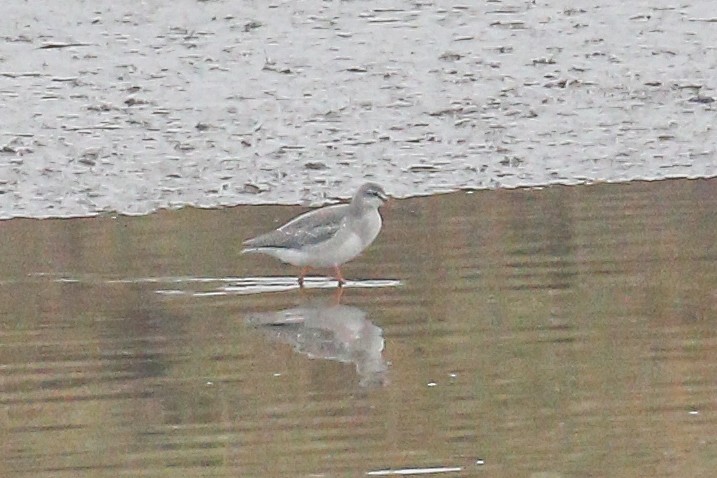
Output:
x=339 y=294
x=302 y=274
x=339 y=277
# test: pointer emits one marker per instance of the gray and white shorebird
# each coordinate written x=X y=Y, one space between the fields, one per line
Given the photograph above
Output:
x=327 y=237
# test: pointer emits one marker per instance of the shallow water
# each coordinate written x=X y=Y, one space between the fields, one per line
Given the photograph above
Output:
x=568 y=331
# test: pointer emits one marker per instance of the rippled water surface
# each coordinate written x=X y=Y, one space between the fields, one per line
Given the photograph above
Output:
x=568 y=331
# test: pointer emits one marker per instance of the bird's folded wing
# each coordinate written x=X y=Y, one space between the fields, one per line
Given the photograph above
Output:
x=306 y=230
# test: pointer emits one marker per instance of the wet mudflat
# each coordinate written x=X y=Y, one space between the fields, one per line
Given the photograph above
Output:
x=567 y=331
x=133 y=106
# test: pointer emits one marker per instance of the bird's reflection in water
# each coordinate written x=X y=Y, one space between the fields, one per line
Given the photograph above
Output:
x=329 y=331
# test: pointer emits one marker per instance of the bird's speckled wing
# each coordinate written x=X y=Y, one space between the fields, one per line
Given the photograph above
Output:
x=308 y=229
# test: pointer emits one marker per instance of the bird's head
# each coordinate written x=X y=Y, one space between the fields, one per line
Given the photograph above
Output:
x=371 y=194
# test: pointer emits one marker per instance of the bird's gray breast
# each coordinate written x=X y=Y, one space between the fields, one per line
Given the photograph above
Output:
x=367 y=227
